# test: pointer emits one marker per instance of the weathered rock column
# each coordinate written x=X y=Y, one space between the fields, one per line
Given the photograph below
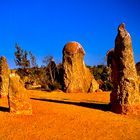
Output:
x=4 y=81
x=77 y=77
x=18 y=96
x=125 y=98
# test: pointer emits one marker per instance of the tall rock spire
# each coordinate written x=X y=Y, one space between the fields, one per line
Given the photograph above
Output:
x=125 y=97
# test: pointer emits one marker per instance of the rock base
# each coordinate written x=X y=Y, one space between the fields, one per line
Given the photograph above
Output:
x=126 y=109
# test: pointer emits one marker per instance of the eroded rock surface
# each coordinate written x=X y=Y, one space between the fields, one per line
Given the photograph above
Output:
x=13 y=95
x=77 y=77
x=4 y=76
x=18 y=96
x=4 y=82
x=125 y=97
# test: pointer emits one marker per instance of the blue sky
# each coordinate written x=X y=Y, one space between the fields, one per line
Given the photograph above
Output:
x=45 y=26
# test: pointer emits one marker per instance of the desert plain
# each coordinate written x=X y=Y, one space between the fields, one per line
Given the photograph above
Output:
x=69 y=116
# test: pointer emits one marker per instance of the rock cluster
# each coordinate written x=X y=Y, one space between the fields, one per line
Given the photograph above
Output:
x=125 y=97
x=12 y=91
x=77 y=77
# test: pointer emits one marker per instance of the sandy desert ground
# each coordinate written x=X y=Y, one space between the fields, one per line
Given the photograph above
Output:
x=61 y=116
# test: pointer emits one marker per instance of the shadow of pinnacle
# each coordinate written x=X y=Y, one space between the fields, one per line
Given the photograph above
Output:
x=4 y=109
x=99 y=106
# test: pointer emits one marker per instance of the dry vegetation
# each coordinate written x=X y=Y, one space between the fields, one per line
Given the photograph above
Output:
x=62 y=116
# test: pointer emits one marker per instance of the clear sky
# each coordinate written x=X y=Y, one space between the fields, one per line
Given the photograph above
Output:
x=45 y=26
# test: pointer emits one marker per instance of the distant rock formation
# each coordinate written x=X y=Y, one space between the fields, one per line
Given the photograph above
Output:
x=125 y=97
x=138 y=68
x=138 y=71
x=77 y=77
x=111 y=62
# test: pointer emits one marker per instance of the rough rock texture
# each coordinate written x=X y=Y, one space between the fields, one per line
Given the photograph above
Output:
x=4 y=76
x=125 y=97
x=112 y=65
x=77 y=77
x=18 y=96
x=12 y=93
x=4 y=82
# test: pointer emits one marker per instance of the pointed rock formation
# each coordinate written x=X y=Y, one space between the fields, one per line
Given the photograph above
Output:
x=125 y=97
x=77 y=77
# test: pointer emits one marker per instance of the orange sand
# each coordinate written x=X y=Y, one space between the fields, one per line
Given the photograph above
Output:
x=60 y=116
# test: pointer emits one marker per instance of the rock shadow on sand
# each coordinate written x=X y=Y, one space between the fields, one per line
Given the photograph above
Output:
x=93 y=105
x=4 y=109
